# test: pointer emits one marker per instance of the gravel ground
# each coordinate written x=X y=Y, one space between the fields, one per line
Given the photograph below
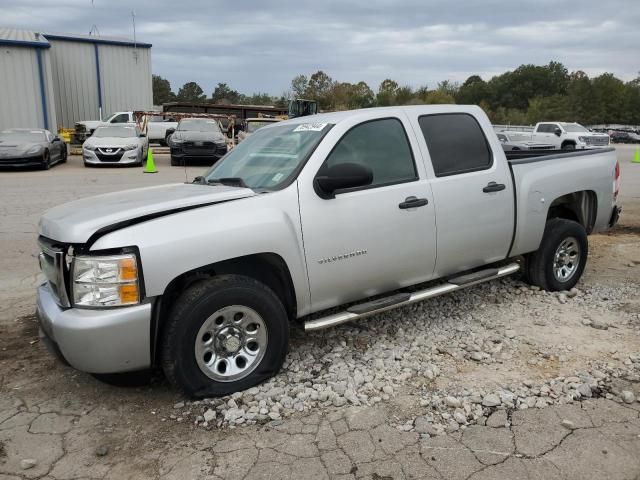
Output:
x=438 y=367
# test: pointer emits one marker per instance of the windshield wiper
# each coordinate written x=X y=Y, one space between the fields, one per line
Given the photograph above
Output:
x=228 y=181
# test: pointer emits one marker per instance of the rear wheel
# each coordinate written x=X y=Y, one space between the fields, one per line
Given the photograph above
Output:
x=559 y=262
x=224 y=335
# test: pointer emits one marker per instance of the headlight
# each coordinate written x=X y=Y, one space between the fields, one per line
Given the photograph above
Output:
x=176 y=141
x=105 y=281
x=34 y=149
x=130 y=147
x=582 y=139
x=89 y=147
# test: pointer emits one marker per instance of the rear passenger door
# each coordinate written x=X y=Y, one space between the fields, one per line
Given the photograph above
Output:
x=371 y=239
x=472 y=190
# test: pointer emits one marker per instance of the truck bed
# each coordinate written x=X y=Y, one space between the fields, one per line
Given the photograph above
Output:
x=540 y=177
x=514 y=155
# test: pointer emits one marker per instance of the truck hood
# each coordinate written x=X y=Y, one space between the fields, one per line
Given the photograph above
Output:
x=77 y=221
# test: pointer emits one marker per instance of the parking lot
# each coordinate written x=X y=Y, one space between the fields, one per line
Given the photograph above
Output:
x=498 y=381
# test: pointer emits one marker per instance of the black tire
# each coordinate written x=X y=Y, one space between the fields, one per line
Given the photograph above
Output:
x=540 y=264
x=63 y=155
x=176 y=162
x=568 y=146
x=197 y=304
x=138 y=378
x=46 y=161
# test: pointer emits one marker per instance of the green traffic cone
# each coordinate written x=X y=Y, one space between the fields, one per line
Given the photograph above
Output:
x=150 y=167
x=636 y=157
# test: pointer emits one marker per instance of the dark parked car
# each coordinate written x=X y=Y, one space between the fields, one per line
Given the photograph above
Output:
x=23 y=147
x=623 y=137
x=196 y=139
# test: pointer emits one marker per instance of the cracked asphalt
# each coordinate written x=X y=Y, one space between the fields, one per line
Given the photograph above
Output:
x=599 y=439
x=56 y=423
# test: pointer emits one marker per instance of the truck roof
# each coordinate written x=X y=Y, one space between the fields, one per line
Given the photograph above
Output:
x=336 y=117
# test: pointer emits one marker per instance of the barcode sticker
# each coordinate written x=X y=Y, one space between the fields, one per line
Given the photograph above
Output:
x=310 y=127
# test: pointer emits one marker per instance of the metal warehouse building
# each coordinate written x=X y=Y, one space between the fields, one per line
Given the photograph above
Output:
x=54 y=80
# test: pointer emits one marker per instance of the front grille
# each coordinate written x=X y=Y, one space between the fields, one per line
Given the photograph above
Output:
x=598 y=141
x=114 y=155
x=53 y=265
x=200 y=148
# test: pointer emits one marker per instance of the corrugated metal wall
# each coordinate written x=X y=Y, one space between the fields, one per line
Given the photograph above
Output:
x=74 y=81
x=126 y=80
x=20 y=94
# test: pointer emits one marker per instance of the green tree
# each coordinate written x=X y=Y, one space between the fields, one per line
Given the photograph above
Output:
x=473 y=91
x=299 y=86
x=387 y=93
x=161 y=90
x=223 y=94
x=362 y=96
x=319 y=89
x=191 y=92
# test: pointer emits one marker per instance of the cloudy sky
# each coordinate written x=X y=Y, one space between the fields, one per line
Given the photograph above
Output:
x=260 y=45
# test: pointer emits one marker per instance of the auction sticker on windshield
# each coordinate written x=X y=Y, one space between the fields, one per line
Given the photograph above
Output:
x=310 y=127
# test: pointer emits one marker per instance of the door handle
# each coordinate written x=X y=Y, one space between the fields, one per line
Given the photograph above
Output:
x=413 y=202
x=494 y=187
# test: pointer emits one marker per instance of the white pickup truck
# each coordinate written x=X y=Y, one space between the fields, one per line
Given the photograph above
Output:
x=341 y=215
x=156 y=128
x=568 y=136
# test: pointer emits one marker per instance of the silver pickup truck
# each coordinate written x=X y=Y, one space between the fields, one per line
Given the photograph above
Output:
x=364 y=210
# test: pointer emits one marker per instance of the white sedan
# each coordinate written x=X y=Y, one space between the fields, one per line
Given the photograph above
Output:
x=115 y=145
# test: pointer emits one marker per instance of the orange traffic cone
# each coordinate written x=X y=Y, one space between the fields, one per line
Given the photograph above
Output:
x=151 y=166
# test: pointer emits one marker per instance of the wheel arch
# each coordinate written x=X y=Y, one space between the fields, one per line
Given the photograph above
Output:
x=581 y=207
x=568 y=142
x=267 y=267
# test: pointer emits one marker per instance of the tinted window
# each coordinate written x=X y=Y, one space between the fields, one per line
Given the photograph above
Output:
x=547 y=128
x=456 y=143
x=382 y=146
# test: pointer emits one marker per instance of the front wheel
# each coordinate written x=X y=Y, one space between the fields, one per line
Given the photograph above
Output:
x=569 y=146
x=46 y=161
x=559 y=262
x=224 y=335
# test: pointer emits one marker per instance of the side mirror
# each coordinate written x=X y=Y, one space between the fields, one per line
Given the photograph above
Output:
x=558 y=132
x=341 y=176
x=169 y=131
x=56 y=139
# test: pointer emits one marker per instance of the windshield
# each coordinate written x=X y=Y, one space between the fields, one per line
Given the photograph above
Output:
x=573 y=127
x=269 y=157
x=117 y=132
x=253 y=126
x=198 y=125
x=22 y=136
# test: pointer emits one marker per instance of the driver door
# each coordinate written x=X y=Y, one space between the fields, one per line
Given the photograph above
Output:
x=369 y=240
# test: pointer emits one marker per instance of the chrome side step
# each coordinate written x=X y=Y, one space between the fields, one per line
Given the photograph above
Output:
x=398 y=300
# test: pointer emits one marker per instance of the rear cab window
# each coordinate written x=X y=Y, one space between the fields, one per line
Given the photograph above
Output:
x=456 y=143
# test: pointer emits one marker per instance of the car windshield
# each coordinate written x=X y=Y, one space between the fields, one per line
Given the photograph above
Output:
x=8 y=136
x=519 y=137
x=198 y=125
x=267 y=159
x=573 y=127
x=117 y=132
x=253 y=126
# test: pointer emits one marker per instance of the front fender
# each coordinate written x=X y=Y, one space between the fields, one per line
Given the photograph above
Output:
x=174 y=244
